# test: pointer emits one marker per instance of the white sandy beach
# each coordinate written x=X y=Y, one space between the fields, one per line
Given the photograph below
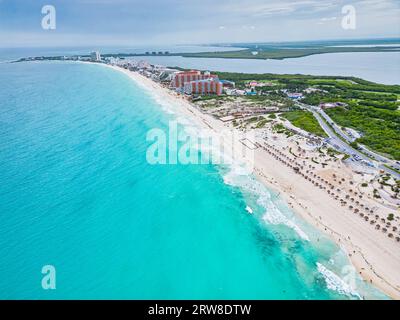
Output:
x=375 y=256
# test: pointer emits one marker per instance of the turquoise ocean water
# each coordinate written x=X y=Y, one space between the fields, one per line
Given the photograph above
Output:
x=77 y=193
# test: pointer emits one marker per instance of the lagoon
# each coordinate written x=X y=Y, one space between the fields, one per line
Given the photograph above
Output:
x=380 y=67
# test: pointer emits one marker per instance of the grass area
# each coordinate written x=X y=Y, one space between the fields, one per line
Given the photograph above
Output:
x=212 y=97
x=280 y=128
x=262 y=123
x=304 y=120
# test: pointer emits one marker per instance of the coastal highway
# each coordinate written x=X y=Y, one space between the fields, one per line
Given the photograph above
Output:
x=345 y=137
x=339 y=144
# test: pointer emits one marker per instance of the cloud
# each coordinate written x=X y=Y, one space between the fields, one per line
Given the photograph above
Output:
x=183 y=21
x=329 y=19
x=278 y=8
x=326 y=19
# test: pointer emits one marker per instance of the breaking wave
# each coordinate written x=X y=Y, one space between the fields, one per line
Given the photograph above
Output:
x=238 y=176
x=335 y=283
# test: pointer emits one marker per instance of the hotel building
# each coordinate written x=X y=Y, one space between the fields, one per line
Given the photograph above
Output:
x=181 y=78
x=95 y=56
x=206 y=86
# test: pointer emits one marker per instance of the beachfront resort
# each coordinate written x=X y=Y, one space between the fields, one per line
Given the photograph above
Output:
x=315 y=143
x=301 y=136
x=295 y=129
x=345 y=188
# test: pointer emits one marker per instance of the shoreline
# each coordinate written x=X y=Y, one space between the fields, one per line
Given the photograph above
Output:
x=375 y=257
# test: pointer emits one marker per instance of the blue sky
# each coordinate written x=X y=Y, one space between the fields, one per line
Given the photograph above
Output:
x=133 y=22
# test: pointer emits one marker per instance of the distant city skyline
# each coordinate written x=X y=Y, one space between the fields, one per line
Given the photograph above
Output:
x=171 y=22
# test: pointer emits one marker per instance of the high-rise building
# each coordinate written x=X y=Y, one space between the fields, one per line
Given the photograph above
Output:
x=205 y=87
x=181 y=78
x=95 y=56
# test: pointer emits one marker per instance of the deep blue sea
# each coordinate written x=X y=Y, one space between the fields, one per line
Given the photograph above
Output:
x=77 y=193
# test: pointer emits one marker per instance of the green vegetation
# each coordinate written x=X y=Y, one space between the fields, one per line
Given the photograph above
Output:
x=354 y=145
x=315 y=161
x=380 y=128
x=390 y=216
x=269 y=52
x=392 y=168
x=253 y=119
x=291 y=152
x=376 y=194
x=262 y=123
x=346 y=156
x=332 y=152
x=280 y=128
x=371 y=109
x=304 y=120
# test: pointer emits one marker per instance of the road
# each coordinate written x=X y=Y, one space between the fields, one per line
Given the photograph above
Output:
x=365 y=150
x=343 y=145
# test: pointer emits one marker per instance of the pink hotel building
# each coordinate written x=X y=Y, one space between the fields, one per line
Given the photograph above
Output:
x=195 y=82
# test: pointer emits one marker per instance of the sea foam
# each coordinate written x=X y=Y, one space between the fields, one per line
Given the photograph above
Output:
x=335 y=283
x=238 y=176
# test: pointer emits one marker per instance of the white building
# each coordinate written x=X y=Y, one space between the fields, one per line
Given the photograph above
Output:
x=95 y=56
